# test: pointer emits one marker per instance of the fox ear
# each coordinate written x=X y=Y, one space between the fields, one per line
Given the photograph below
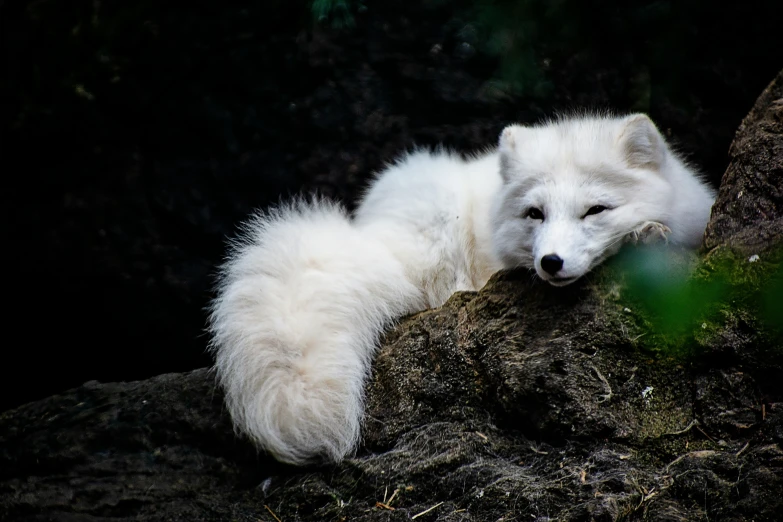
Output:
x=642 y=143
x=511 y=137
x=509 y=144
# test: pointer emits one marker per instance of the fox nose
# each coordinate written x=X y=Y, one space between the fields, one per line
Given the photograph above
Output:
x=551 y=263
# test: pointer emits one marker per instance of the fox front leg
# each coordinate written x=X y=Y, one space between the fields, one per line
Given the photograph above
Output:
x=649 y=232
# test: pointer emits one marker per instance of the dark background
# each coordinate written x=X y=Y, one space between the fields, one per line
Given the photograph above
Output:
x=137 y=135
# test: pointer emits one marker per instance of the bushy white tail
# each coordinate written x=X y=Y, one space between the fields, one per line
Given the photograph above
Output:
x=302 y=300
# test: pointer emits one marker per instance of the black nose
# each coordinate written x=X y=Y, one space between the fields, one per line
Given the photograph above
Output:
x=551 y=263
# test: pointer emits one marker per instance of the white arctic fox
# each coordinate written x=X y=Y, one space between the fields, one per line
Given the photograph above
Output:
x=307 y=290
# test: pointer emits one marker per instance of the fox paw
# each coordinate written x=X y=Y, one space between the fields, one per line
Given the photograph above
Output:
x=650 y=232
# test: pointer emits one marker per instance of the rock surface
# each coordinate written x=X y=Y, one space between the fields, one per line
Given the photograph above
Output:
x=749 y=212
x=519 y=402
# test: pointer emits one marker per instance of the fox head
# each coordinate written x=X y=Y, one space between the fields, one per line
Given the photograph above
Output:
x=573 y=190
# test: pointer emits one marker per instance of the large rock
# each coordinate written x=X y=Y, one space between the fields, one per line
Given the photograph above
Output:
x=749 y=212
x=519 y=402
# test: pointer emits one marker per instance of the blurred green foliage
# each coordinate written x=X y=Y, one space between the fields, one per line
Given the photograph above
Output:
x=660 y=283
x=679 y=304
x=336 y=13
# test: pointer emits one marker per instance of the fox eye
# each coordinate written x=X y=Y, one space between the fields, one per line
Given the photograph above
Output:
x=535 y=213
x=597 y=209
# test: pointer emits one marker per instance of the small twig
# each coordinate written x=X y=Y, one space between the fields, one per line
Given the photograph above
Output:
x=705 y=434
x=698 y=454
x=743 y=449
x=426 y=511
x=392 y=497
x=272 y=513
x=693 y=423
x=763 y=411
x=646 y=497
x=384 y=506
x=538 y=451
x=482 y=435
x=606 y=384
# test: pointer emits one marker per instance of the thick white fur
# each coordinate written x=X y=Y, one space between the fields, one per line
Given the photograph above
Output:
x=302 y=301
x=307 y=290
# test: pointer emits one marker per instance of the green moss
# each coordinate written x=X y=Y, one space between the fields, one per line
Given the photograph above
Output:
x=336 y=13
